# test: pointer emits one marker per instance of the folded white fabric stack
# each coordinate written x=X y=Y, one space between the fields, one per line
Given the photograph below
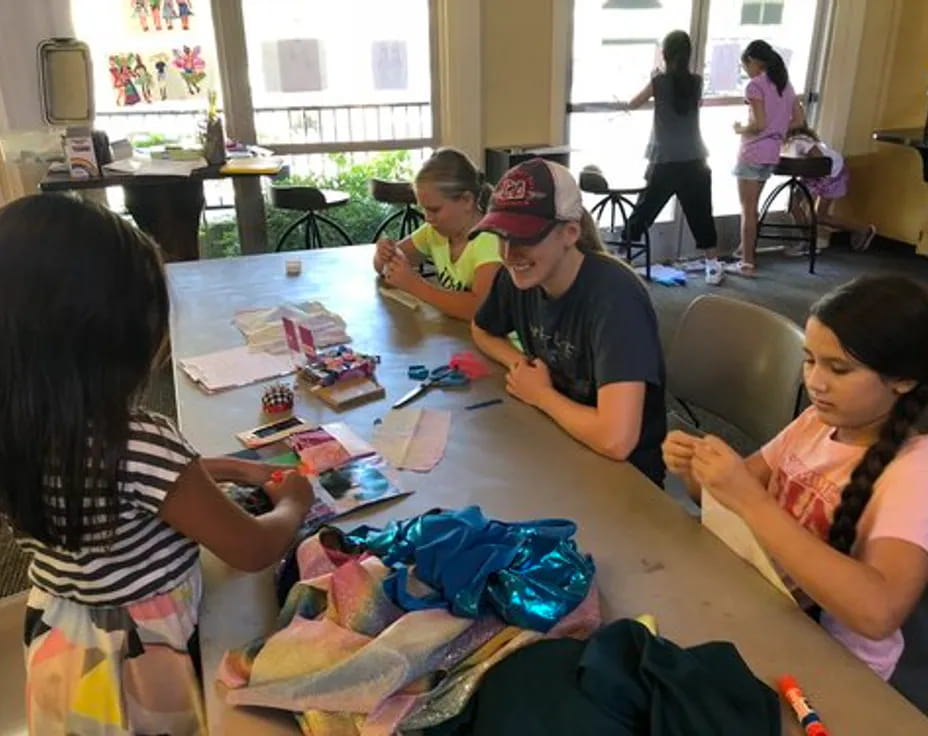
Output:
x=264 y=331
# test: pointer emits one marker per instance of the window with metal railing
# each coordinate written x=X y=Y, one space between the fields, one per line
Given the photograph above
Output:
x=352 y=75
x=331 y=85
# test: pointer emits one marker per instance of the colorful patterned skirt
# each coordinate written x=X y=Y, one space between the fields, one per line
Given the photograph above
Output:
x=108 y=671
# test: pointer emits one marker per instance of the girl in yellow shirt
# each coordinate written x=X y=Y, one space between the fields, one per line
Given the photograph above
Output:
x=454 y=195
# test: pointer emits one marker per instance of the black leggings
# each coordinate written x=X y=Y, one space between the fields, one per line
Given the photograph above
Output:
x=691 y=181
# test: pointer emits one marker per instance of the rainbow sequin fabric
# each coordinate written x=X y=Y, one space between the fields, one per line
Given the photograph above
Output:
x=349 y=660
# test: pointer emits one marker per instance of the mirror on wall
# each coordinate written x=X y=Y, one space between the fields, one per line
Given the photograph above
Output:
x=65 y=81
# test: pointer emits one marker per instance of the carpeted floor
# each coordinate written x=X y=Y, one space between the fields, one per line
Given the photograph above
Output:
x=782 y=284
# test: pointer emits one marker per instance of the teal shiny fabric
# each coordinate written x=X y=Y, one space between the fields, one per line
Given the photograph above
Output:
x=530 y=573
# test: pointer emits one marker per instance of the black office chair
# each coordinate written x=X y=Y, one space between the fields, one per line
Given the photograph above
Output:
x=618 y=200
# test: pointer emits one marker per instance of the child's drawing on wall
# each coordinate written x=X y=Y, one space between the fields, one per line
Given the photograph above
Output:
x=191 y=66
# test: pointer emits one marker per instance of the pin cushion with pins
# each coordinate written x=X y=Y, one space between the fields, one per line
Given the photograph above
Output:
x=277 y=399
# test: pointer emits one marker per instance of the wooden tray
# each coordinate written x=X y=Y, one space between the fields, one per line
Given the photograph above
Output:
x=348 y=393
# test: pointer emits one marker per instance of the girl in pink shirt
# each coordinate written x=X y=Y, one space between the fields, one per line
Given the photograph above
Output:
x=773 y=110
x=839 y=499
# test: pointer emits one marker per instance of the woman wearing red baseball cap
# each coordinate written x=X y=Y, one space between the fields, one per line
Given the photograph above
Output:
x=592 y=359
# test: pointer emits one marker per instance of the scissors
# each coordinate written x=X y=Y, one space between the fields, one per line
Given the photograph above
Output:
x=442 y=377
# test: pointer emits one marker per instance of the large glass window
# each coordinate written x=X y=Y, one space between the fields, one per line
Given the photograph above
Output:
x=765 y=12
x=616 y=45
x=342 y=90
x=346 y=72
x=790 y=31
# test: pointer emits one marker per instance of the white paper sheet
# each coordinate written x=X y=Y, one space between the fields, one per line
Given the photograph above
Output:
x=155 y=167
x=731 y=529
x=413 y=439
x=236 y=367
x=724 y=67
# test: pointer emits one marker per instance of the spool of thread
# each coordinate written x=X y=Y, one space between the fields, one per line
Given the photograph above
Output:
x=294 y=267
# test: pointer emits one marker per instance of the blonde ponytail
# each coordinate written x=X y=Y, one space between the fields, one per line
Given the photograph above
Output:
x=454 y=174
x=589 y=241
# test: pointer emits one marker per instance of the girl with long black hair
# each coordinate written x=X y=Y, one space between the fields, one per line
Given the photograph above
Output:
x=676 y=152
x=109 y=498
x=773 y=110
x=839 y=499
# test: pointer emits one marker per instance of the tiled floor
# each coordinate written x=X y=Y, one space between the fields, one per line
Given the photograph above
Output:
x=12 y=710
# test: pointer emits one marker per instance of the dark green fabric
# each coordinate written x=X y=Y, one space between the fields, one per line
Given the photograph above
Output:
x=622 y=682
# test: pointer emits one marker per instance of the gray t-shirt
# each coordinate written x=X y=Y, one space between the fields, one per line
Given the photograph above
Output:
x=674 y=137
x=602 y=330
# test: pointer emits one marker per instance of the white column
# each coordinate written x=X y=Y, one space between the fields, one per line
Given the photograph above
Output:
x=560 y=63
x=229 y=26
x=856 y=72
x=457 y=81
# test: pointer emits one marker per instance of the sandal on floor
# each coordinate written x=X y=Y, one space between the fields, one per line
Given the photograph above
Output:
x=741 y=268
x=860 y=241
x=796 y=251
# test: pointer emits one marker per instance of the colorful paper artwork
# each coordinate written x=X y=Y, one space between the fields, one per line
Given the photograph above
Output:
x=191 y=66
x=136 y=79
x=122 y=71
x=160 y=63
x=160 y=15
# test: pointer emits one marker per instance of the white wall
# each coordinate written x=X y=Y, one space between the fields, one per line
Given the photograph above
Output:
x=22 y=26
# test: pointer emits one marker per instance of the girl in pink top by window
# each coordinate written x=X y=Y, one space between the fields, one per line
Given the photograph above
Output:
x=773 y=110
x=839 y=499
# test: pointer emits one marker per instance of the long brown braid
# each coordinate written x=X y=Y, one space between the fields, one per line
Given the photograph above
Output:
x=856 y=494
x=883 y=323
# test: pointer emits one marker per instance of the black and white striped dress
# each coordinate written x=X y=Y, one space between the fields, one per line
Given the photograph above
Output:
x=145 y=556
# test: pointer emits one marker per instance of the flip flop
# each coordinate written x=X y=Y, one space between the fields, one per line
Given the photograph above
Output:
x=741 y=268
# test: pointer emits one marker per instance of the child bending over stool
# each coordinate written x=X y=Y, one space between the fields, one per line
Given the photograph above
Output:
x=802 y=142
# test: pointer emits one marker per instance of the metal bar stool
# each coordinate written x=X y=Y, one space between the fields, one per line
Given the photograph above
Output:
x=399 y=193
x=310 y=201
x=796 y=169
x=617 y=199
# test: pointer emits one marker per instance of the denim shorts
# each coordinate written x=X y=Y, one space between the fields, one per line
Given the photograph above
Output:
x=756 y=172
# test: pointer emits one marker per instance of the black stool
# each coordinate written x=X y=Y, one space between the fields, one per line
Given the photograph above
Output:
x=617 y=199
x=796 y=169
x=310 y=201
x=399 y=193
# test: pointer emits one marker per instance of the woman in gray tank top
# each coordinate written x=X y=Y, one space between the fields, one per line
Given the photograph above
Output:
x=676 y=153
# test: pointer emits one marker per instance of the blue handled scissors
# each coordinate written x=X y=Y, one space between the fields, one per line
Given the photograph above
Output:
x=442 y=377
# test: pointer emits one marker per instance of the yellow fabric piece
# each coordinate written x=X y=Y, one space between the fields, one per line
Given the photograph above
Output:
x=492 y=646
x=649 y=622
x=96 y=696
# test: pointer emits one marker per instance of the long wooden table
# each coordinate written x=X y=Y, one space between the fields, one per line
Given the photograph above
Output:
x=651 y=556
